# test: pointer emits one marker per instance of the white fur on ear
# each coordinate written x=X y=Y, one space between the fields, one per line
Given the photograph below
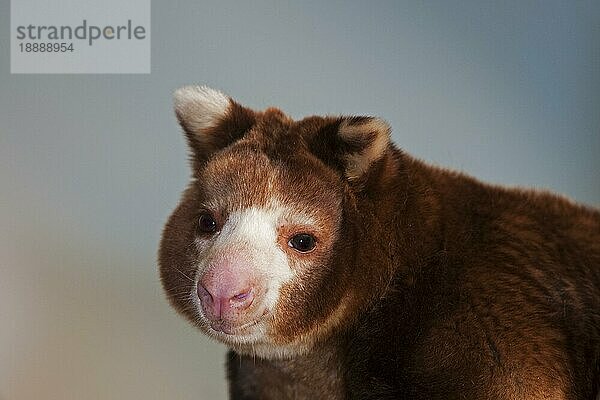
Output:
x=199 y=107
x=376 y=133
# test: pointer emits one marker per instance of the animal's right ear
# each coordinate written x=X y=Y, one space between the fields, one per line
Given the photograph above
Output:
x=210 y=119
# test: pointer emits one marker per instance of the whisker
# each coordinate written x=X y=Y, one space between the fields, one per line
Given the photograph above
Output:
x=183 y=295
x=181 y=272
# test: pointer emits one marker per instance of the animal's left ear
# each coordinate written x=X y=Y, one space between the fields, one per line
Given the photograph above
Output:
x=352 y=144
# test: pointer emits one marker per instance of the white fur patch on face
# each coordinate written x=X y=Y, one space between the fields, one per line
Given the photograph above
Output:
x=251 y=233
x=255 y=231
x=200 y=107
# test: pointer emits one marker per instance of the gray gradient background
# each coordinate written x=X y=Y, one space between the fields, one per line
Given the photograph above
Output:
x=91 y=165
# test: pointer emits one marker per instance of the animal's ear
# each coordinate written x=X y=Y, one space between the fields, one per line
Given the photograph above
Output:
x=210 y=119
x=352 y=144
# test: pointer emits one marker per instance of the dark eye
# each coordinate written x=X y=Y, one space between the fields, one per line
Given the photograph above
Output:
x=206 y=223
x=303 y=242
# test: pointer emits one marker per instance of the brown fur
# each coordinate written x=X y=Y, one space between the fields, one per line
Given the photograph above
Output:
x=428 y=283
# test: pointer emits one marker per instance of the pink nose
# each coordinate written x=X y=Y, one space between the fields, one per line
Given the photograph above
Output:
x=223 y=294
